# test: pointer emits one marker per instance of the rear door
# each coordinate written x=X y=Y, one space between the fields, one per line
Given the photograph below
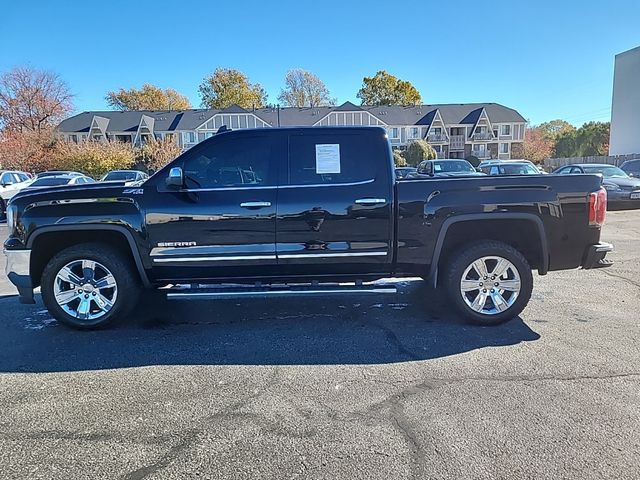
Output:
x=335 y=203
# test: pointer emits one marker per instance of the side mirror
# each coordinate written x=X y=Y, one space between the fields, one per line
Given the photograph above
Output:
x=631 y=174
x=175 y=178
x=478 y=169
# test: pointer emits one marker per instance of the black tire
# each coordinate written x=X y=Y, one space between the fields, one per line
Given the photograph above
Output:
x=126 y=280
x=464 y=258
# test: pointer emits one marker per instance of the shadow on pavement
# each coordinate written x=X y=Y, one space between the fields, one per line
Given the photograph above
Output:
x=415 y=324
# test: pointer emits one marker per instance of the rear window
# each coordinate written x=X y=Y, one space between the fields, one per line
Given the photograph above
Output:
x=120 y=176
x=49 y=182
x=316 y=159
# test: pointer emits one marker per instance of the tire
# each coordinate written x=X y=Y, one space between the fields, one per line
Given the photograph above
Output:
x=496 y=303
x=76 y=298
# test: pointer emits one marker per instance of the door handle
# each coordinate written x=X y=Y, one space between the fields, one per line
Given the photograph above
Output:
x=370 y=201
x=255 y=204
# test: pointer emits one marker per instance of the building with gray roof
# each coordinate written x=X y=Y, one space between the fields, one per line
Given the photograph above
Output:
x=486 y=130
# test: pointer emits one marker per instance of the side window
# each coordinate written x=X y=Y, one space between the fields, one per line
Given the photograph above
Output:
x=5 y=178
x=231 y=162
x=565 y=171
x=495 y=171
x=333 y=158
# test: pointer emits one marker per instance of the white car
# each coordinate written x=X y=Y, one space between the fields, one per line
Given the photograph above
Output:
x=11 y=182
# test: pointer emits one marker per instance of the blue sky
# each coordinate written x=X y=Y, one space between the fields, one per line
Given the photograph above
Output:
x=546 y=59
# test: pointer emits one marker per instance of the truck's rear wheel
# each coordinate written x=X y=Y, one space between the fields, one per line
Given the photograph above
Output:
x=89 y=286
x=489 y=282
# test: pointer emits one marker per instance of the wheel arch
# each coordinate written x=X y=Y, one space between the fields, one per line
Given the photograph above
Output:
x=533 y=236
x=58 y=238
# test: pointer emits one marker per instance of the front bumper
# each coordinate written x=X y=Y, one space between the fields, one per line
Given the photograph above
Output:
x=17 y=269
x=594 y=256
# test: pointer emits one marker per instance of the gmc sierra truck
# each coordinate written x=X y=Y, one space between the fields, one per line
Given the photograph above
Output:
x=298 y=211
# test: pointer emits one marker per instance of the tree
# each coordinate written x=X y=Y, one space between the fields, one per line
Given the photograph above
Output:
x=398 y=159
x=226 y=87
x=418 y=151
x=156 y=153
x=304 y=89
x=33 y=99
x=149 y=97
x=385 y=89
x=537 y=145
x=554 y=129
x=27 y=150
x=592 y=138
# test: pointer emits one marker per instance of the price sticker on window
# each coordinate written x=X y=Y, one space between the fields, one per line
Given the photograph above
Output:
x=328 y=158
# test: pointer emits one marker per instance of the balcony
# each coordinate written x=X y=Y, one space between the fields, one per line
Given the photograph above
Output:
x=456 y=143
x=482 y=136
x=436 y=138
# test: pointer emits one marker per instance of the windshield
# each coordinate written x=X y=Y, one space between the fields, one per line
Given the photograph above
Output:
x=607 y=172
x=449 y=166
x=119 y=176
x=518 y=169
x=50 y=181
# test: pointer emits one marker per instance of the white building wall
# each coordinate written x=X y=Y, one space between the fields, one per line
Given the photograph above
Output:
x=625 y=110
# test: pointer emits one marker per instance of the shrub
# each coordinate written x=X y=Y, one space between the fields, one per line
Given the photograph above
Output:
x=29 y=150
x=418 y=151
x=156 y=153
x=93 y=158
x=398 y=159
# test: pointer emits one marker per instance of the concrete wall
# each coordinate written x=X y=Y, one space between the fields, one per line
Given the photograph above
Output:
x=625 y=110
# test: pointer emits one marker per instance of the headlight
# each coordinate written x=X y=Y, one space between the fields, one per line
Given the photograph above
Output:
x=11 y=218
x=611 y=187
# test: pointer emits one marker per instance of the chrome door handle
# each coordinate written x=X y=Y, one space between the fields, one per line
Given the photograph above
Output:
x=255 y=204
x=370 y=201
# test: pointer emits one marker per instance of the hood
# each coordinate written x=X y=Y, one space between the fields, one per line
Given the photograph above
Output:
x=460 y=174
x=91 y=190
x=624 y=183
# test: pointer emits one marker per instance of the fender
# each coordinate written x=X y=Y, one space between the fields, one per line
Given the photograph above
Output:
x=432 y=278
x=93 y=227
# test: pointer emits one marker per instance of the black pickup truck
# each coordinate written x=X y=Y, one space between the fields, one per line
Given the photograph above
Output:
x=298 y=211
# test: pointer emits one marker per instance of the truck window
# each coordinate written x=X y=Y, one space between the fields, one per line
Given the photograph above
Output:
x=356 y=159
x=244 y=162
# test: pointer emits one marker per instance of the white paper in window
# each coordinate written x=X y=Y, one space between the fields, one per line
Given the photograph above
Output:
x=328 y=158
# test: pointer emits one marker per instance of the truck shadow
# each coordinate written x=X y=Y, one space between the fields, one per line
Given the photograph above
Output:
x=414 y=325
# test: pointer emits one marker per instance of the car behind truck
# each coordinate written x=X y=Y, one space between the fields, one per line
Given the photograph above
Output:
x=290 y=211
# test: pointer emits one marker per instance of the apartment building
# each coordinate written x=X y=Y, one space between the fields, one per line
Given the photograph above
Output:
x=485 y=130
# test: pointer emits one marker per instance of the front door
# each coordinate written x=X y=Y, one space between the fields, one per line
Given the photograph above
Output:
x=335 y=205
x=222 y=222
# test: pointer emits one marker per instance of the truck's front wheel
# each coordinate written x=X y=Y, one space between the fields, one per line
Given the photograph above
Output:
x=89 y=286
x=489 y=282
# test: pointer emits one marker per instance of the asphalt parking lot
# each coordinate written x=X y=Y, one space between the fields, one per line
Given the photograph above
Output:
x=350 y=387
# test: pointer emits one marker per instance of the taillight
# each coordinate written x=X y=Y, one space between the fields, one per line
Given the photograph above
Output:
x=597 y=207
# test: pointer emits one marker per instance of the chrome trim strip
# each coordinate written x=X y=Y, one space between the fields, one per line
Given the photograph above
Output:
x=206 y=295
x=255 y=204
x=350 y=184
x=370 y=201
x=272 y=187
x=18 y=262
x=214 y=259
x=330 y=255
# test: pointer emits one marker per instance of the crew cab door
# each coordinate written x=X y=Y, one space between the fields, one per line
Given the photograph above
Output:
x=335 y=204
x=221 y=223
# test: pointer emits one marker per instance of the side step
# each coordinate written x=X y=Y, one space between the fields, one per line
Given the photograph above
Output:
x=210 y=292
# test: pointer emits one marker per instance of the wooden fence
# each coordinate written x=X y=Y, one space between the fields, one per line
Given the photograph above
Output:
x=553 y=163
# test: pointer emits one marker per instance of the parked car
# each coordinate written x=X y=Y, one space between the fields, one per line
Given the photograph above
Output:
x=11 y=182
x=54 y=173
x=124 y=176
x=59 y=180
x=508 y=167
x=403 y=173
x=622 y=190
x=321 y=209
x=631 y=168
x=447 y=168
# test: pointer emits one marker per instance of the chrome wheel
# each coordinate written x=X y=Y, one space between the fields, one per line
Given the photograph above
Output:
x=490 y=285
x=85 y=289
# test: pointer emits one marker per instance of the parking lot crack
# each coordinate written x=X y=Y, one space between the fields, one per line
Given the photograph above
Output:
x=625 y=279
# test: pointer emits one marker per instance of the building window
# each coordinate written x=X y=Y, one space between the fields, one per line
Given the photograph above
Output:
x=73 y=138
x=394 y=133
x=436 y=130
x=414 y=132
x=504 y=148
x=505 y=130
x=189 y=137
